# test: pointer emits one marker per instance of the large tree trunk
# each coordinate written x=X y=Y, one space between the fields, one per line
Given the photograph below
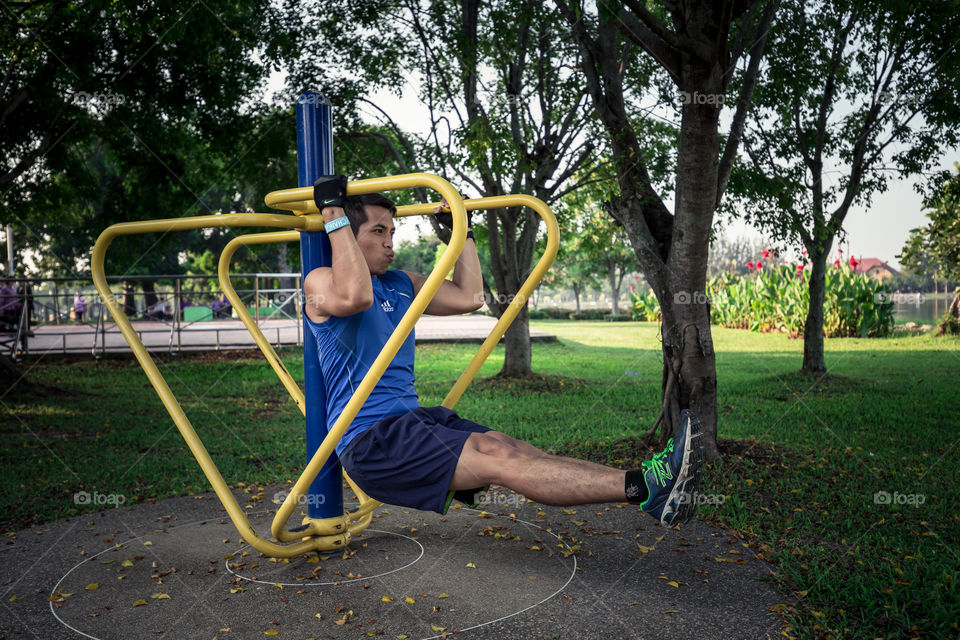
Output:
x=813 y=361
x=672 y=249
x=689 y=371
x=687 y=340
x=517 y=353
x=129 y=299
x=511 y=257
x=149 y=293
x=576 y=295
x=614 y=290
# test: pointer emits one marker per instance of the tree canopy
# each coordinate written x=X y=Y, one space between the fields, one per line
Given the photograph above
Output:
x=852 y=93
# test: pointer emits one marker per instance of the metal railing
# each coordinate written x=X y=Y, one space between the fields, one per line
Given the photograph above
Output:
x=172 y=313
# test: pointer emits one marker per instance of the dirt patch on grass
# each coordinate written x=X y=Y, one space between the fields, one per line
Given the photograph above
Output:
x=762 y=453
x=532 y=384
x=628 y=453
x=797 y=383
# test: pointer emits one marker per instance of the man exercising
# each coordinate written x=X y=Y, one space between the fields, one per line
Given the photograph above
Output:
x=424 y=457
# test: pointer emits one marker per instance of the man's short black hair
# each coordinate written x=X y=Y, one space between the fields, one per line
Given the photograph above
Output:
x=354 y=207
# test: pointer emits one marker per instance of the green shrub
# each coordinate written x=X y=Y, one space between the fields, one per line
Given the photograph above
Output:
x=589 y=314
x=549 y=313
x=777 y=299
x=644 y=306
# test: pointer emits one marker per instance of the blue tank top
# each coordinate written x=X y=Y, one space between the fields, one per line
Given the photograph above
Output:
x=348 y=346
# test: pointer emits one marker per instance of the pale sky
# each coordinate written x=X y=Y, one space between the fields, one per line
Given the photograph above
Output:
x=879 y=232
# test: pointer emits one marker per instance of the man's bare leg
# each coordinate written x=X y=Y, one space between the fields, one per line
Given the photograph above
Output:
x=526 y=447
x=666 y=486
x=489 y=459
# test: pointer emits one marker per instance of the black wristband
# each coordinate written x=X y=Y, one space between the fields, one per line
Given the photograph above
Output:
x=471 y=236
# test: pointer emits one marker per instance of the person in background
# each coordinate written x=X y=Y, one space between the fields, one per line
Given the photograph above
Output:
x=25 y=293
x=9 y=306
x=79 y=306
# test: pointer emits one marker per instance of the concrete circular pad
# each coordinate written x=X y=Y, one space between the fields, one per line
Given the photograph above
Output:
x=411 y=574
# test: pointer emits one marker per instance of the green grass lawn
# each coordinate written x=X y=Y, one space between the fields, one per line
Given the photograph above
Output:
x=805 y=460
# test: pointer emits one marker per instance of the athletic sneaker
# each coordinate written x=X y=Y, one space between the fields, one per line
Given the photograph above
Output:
x=673 y=475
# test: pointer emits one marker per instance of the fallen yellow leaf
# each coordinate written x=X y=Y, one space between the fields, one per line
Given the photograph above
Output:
x=674 y=583
x=436 y=628
x=386 y=599
x=644 y=549
x=470 y=565
x=160 y=596
x=92 y=586
x=442 y=596
x=139 y=603
x=409 y=600
x=148 y=544
x=126 y=563
x=271 y=632
x=14 y=598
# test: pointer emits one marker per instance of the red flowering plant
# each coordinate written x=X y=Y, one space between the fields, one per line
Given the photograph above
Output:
x=778 y=297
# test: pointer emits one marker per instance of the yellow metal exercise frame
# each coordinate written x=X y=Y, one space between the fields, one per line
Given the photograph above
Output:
x=329 y=533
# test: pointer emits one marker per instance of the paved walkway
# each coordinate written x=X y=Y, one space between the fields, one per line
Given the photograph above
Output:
x=178 y=569
x=232 y=334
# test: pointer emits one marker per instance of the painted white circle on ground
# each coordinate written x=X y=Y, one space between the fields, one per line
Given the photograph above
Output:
x=458 y=556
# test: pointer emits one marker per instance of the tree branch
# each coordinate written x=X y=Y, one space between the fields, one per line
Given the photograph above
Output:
x=743 y=103
x=649 y=41
x=674 y=40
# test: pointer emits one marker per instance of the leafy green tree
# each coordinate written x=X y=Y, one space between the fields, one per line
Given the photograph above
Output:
x=935 y=248
x=416 y=256
x=122 y=111
x=689 y=53
x=504 y=113
x=599 y=246
x=569 y=270
x=853 y=93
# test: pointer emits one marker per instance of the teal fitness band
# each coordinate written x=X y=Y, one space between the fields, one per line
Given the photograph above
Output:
x=330 y=227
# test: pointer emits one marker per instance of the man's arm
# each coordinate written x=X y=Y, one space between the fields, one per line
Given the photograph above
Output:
x=345 y=288
x=464 y=294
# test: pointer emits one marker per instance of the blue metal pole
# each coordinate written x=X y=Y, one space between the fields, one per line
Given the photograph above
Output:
x=315 y=159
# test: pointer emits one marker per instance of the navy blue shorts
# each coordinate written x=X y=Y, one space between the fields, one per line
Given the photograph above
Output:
x=408 y=459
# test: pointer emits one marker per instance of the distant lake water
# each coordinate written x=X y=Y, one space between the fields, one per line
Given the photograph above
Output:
x=922 y=308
